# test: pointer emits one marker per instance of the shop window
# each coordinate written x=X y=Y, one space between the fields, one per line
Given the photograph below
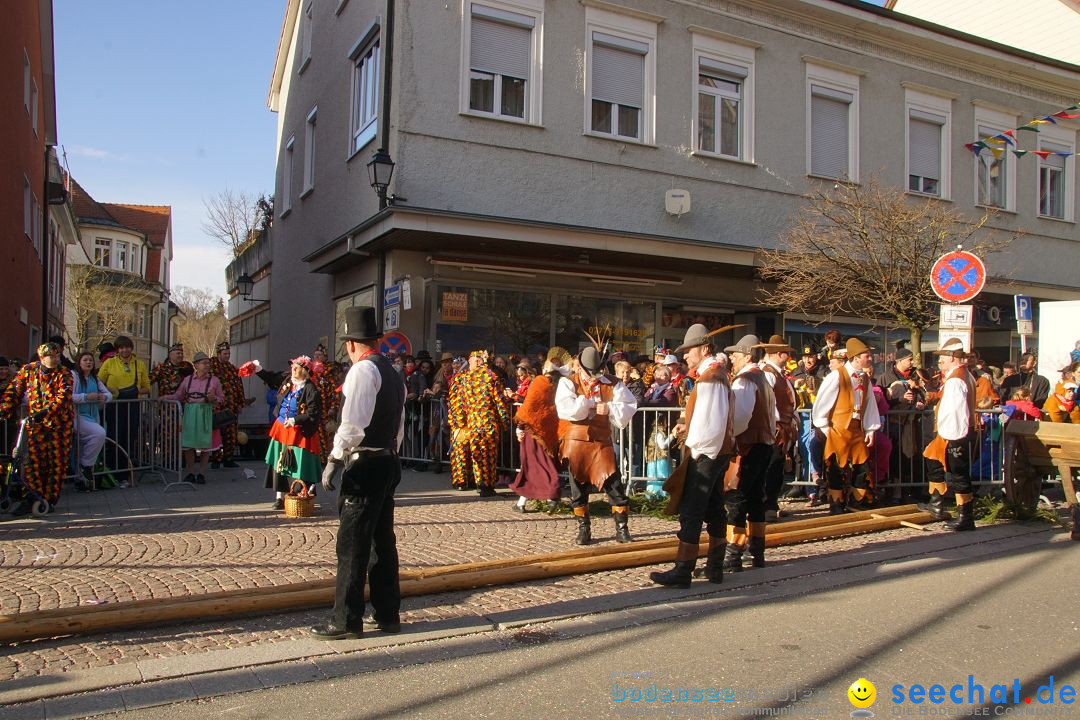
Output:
x=631 y=324
x=501 y=320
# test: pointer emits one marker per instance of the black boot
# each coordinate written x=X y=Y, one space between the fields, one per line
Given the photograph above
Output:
x=936 y=507
x=714 y=561
x=622 y=525
x=732 y=558
x=584 y=530
x=837 y=507
x=680 y=575
x=965 y=518
x=756 y=544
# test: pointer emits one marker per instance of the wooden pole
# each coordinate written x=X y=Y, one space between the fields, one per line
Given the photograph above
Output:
x=317 y=593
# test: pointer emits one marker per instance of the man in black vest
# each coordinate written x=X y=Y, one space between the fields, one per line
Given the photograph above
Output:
x=366 y=446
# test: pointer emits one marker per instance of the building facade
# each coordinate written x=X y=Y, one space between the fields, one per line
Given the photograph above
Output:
x=249 y=325
x=536 y=144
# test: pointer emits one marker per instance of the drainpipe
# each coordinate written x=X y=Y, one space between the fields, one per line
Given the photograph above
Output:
x=384 y=132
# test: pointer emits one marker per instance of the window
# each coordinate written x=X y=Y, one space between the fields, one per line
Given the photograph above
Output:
x=833 y=123
x=287 y=175
x=27 y=77
x=103 y=252
x=620 y=75
x=121 y=257
x=1052 y=180
x=309 y=151
x=995 y=170
x=28 y=210
x=503 y=46
x=929 y=119
x=365 y=105
x=35 y=222
x=136 y=259
x=34 y=105
x=305 y=38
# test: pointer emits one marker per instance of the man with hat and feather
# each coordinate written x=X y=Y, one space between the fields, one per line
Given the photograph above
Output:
x=708 y=435
x=590 y=403
x=846 y=411
x=948 y=456
x=777 y=352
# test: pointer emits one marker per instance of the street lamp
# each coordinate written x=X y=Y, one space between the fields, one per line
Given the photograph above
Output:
x=380 y=169
x=244 y=285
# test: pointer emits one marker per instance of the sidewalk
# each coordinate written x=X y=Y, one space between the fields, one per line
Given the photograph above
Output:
x=136 y=543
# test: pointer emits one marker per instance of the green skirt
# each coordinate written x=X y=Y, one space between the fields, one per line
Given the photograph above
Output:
x=304 y=467
x=197 y=429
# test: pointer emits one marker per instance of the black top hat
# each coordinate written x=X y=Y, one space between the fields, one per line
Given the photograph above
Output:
x=360 y=324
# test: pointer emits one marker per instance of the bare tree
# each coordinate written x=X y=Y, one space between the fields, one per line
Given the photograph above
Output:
x=236 y=218
x=201 y=324
x=867 y=251
x=101 y=304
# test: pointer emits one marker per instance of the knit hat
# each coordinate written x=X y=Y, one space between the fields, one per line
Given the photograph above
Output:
x=903 y=353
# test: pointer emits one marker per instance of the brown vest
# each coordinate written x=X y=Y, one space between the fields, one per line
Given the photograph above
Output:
x=845 y=438
x=586 y=445
x=785 y=403
x=715 y=374
x=598 y=427
x=761 y=429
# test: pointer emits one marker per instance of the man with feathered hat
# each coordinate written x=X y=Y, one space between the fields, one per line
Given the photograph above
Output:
x=590 y=403
x=846 y=411
x=478 y=414
x=948 y=458
x=229 y=377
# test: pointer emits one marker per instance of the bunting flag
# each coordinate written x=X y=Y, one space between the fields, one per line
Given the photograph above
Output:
x=1042 y=153
x=1066 y=115
x=1008 y=141
x=1030 y=127
x=1020 y=153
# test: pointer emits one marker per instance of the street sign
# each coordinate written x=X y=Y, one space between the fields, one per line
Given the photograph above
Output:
x=391 y=319
x=1024 y=324
x=957 y=317
x=392 y=295
x=395 y=342
x=957 y=276
x=406 y=294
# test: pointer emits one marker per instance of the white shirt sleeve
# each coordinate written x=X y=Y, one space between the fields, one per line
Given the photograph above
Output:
x=826 y=399
x=76 y=397
x=953 y=419
x=872 y=421
x=622 y=406
x=360 y=388
x=569 y=404
x=745 y=399
x=705 y=436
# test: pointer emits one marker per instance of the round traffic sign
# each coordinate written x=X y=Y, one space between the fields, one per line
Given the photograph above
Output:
x=395 y=342
x=957 y=276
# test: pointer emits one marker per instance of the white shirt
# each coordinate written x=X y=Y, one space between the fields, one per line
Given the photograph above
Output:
x=954 y=410
x=821 y=414
x=361 y=386
x=708 y=425
x=574 y=407
x=745 y=400
x=771 y=379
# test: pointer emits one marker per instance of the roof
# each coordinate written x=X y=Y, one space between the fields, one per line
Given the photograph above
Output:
x=151 y=220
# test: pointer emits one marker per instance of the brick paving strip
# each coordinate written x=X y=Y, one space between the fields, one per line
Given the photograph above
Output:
x=139 y=543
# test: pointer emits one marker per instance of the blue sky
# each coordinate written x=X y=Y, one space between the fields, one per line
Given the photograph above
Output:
x=164 y=103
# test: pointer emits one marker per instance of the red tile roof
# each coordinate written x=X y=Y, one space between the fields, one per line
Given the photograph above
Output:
x=151 y=220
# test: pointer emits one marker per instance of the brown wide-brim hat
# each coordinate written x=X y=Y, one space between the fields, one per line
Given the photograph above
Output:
x=952 y=348
x=776 y=344
x=446 y=357
x=855 y=347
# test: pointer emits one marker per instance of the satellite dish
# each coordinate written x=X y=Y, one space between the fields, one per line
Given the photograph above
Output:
x=677 y=202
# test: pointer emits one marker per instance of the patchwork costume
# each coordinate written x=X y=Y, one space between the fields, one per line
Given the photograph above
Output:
x=229 y=377
x=477 y=416
x=48 y=393
x=167 y=375
x=329 y=402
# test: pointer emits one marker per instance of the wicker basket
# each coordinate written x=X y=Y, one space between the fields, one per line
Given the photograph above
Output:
x=297 y=505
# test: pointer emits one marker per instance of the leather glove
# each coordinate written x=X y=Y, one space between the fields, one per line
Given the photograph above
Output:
x=333 y=467
x=39 y=415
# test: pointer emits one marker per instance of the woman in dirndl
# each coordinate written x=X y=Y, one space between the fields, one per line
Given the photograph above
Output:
x=293 y=453
x=198 y=393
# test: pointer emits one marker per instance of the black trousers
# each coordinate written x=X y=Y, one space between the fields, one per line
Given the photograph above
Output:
x=957 y=469
x=614 y=487
x=367 y=518
x=774 y=477
x=860 y=474
x=703 y=498
x=746 y=503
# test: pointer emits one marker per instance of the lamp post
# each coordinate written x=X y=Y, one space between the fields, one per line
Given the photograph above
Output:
x=244 y=286
x=380 y=170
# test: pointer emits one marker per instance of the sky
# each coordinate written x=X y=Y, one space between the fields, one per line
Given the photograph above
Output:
x=164 y=103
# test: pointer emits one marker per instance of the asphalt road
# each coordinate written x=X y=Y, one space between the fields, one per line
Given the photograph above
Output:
x=1004 y=613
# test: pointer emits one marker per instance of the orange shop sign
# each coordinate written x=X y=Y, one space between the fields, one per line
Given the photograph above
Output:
x=455 y=307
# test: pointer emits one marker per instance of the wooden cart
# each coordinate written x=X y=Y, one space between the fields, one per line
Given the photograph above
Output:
x=1034 y=450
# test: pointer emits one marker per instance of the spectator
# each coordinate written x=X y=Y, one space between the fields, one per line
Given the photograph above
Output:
x=417 y=396
x=525 y=375
x=498 y=366
x=1020 y=407
x=832 y=344
x=128 y=380
x=630 y=378
x=199 y=393
x=89 y=395
x=58 y=340
x=1061 y=406
x=985 y=395
x=661 y=393
x=1037 y=385
x=881 y=452
x=906 y=398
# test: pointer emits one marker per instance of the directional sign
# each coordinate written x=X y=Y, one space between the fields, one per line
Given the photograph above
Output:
x=392 y=295
x=958 y=276
x=391 y=317
x=395 y=342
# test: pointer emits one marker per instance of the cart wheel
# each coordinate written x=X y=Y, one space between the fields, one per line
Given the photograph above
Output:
x=5 y=505
x=40 y=508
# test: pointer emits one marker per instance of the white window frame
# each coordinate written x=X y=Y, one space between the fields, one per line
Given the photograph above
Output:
x=366 y=58
x=730 y=53
x=305 y=36
x=637 y=30
x=34 y=105
x=997 y=121
x=918 y=103
x=1063 y=138
x=102 y=246
x=309 y=151
x=36 y=224
x=28 y=210
x=135 y=259
x=839 y=81
x=533 y=84
x=287 y=175
x=121 y=257
x=27 y=77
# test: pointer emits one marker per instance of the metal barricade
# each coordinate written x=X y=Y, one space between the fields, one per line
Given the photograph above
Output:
x=142 y=437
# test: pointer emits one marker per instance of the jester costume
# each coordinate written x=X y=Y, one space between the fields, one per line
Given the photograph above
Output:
x=168 y=376
x=477 y=415
x=329 y=400
x=229 y=377
x=48 y=395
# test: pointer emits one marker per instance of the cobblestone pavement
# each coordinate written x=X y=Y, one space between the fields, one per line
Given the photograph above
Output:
x=141 y=542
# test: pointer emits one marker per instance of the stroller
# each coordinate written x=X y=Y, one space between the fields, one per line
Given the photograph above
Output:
x=15 y=489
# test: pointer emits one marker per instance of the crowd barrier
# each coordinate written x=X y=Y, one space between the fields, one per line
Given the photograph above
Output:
x=142 y=438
